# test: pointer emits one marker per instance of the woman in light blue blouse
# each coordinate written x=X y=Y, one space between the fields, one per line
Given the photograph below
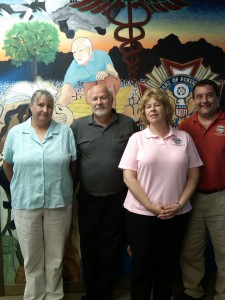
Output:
x=39 y=159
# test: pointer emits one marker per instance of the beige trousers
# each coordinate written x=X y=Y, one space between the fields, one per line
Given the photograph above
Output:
x=208 y=213
x=42 y=234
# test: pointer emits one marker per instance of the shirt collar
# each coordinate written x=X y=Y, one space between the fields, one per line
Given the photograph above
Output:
x=52 y=130
x=219 y=116
x=149 y=134
x=91 y=59
x=92 y=56
x=91 y=120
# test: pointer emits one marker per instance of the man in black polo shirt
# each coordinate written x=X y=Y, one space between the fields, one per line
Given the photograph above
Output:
x=101 y=139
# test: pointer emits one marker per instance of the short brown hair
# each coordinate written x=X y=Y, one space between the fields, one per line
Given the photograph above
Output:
x=204 y=82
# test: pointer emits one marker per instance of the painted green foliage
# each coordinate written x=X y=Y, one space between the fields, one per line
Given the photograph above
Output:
x=31 y=41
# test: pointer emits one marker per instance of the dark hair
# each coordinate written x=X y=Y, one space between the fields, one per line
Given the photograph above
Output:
x=204 y=82
x=160 y=96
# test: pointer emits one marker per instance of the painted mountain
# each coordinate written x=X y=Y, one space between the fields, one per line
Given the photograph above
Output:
x=168 y=48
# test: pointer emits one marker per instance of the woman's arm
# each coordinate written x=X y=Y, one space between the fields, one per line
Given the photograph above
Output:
x=130 y=179
x=8 y=169
x=190 y=186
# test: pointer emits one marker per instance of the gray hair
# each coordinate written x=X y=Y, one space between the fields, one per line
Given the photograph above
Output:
x=109 y=91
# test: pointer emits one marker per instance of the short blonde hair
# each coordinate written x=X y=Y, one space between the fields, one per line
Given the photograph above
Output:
x=160 y=96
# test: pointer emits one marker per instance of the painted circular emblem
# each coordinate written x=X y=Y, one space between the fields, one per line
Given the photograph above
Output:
x=179 y=88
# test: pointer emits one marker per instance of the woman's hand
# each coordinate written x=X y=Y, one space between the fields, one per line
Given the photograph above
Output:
x=169 y=211
x=156 y=209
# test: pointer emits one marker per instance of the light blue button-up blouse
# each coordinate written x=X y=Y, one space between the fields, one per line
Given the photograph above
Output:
x=41 y=170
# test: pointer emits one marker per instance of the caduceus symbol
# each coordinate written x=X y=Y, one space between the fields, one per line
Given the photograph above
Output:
x=130 y=44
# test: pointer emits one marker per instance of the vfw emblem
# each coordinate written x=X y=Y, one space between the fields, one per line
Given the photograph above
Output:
x=181 y=91
x=178 y=80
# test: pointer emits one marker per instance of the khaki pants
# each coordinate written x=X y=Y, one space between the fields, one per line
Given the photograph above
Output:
x=208 y=213
x=42 y=234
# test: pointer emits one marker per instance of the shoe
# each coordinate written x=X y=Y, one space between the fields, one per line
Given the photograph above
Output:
x=187 y=297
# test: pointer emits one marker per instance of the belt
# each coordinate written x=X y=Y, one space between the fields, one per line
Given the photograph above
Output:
x=210 y=191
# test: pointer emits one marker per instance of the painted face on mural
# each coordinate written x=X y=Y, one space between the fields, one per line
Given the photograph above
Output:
x=155 y=111
x=81 y=53
x=100 y=101
x=42 y=110
x=206 y=101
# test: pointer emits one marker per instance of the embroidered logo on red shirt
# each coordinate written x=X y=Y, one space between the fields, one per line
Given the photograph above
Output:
x=220 y=129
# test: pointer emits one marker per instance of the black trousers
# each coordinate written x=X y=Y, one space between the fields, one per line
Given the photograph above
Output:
x=101 y=222
x=155 y=246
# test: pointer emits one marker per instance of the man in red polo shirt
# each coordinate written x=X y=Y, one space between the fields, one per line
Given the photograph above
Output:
x=207 y=128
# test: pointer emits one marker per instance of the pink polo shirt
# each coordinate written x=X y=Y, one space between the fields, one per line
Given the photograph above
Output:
x=161 y=164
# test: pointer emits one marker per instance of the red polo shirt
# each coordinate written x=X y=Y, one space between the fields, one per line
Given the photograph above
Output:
x=210 y=144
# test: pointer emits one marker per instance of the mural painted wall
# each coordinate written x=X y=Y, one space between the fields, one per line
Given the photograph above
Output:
x=68 y=46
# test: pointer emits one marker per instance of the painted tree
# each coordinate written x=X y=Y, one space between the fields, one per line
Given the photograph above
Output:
x=31 y=42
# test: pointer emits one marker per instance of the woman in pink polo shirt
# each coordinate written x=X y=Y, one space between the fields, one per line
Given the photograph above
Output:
x=160 y=167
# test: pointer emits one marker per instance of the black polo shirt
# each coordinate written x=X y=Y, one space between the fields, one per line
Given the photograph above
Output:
x=99 y=152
